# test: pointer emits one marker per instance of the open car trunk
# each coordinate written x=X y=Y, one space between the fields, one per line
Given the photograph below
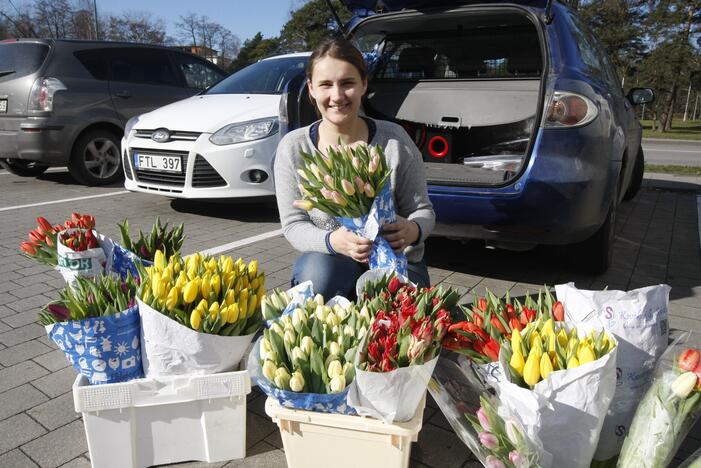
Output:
x=464 y=83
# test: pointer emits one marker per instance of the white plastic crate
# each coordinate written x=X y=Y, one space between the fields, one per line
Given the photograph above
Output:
x=147 y=422
x=321 y=440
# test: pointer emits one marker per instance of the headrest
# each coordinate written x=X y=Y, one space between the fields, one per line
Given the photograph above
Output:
x=417 y=59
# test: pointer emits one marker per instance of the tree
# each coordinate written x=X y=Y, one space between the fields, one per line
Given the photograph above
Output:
x=54 y=18
x=254 y=49
x=310 y=25
x=206 y=36
x=135 y=26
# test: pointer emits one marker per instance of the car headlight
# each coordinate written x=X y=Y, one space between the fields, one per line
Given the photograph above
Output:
x=247 y=131
x=130 y=125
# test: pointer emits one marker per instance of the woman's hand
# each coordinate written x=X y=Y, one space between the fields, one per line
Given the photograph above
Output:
x=351 y=245
x=401 y=233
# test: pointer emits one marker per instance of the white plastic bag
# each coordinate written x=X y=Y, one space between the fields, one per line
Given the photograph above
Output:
x=90 y=262
x=170 y=348
x=565 y=411
x=638 y=320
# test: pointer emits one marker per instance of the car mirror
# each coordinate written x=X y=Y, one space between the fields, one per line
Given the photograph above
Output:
x=641 y=95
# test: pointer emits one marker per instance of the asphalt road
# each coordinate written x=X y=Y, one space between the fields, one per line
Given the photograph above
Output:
x=675 y=152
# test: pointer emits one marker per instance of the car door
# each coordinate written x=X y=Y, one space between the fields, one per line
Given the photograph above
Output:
x=197 y=73
x=143 y=79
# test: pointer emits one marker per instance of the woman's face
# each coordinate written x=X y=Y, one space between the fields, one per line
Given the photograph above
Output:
x=337 y=88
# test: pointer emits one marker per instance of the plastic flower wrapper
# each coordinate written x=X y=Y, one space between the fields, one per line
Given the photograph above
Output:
x=143 y=249
x=198 y=313
x=96 y=325
x=41 y=245
x=560 y=380
x=304 y=359
x=489 y=320
x=638 y=320
x=280 y=302
x=352 y=183
x=395 y=361
x=490 y=429
x=669 y=409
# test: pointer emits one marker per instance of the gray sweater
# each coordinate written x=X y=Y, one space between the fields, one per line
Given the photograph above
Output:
x=307 y=231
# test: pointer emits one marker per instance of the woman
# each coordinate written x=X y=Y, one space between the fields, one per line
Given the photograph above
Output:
x=333 y=258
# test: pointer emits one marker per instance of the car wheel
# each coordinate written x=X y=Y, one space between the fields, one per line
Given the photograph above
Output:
x=637 y=180
x=595 y=254
x=96 y=159
x=23 y=168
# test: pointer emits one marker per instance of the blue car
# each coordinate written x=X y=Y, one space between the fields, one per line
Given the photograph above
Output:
x=526 y=133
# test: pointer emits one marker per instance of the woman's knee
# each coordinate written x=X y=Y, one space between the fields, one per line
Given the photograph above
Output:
x=330 y=275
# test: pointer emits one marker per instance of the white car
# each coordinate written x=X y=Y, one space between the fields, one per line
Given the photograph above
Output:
x=218 y=144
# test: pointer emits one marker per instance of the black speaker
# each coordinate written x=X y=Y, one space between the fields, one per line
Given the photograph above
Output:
x=437 y=146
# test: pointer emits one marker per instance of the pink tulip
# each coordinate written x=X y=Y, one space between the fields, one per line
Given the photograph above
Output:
x=494 y=462
x=489 y=440
x=484 y=421
x=517 y=459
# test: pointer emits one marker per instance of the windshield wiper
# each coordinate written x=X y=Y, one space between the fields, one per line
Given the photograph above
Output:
x=6 y=72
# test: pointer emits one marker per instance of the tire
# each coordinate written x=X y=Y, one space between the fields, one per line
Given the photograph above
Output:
x=96 y=158
x=637 y=179
x=595 y=254
x=23 y=168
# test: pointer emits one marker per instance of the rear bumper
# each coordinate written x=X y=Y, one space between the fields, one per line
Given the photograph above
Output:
x=34 y=139
x=562 y=197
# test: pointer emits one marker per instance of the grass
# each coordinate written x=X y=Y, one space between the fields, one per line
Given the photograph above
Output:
x=689 y=130
x=675 y=170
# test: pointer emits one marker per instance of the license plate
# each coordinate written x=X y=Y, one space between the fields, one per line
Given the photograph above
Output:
x=154 y=162
x=3 y=106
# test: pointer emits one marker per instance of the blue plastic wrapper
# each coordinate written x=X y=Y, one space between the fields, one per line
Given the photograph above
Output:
x=299 y=295
x=124 y=261
x=369 y=226
x=104 y=349
x=321 y=403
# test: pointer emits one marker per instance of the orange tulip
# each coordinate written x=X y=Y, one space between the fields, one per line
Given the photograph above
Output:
x=28 y=247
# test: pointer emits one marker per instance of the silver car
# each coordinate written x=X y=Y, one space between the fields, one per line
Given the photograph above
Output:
x=66 y=102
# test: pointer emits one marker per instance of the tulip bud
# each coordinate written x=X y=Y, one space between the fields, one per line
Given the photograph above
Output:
x=297 y=382
x=335 y=368
x=338 y=198
x=337 y=384
x=546 y=365
x=531 y=369
x=572 y=363
x=316 y=171
x=493 y=462
x=348 y=331
x=289 y=336
x=359 y=183
x=356 y=162
x=305 y=205
x=298 y=354
x=307 y=345
x=483 y=419
x=684 y=384
x=514 y=431
x=321 y=312
x=334 y=349
x=269 y=369
x=489 y=440
x=195 y=319
x=214 y=310
x=299 y=317
x=233 y=314
x=369 y=191
x=362 y=331
x=303 y=174
x=328 y=180
x=172 y=299
x=319 y=299
x=282 y=378
x=275 y=328
x=517 y=459
x=348 y=187
x=286 y=321
x=517 y=363
x=331 y=319
x=159 y=260
x=585 y=354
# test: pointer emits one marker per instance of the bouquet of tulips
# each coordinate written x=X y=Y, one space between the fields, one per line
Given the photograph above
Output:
x=199 y=313
x=559 y=381
x=668 y=410
x=96 y=324
x=489 y=320
x=168 y=241
x=43 y=239
x=352 y=183
x=397 y=357
x=79 y=240
x=304 y=360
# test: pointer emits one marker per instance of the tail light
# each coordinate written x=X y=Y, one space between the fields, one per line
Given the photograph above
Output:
x=41 y=97
x=567 y=110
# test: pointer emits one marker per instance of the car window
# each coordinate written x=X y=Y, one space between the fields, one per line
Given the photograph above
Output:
x=95 y=61
x=588 y=51
x=198 y=73
x=263 y=77
x=142 y=65
x=495 y=52
x=21 y=58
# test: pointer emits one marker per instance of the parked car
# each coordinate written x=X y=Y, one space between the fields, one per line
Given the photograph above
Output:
x=218 y=144
x=526 y=133
x=65 y=102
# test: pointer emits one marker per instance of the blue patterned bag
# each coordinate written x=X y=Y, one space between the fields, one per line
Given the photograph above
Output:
x=369 y=226
x=124 y=261
x=321 y=403
x=104 y=349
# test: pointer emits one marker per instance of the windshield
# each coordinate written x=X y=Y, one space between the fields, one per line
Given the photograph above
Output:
x=21 y=58
x=264 y=77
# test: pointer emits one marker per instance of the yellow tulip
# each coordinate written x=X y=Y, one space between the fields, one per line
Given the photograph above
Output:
x=224 y=314
x=517 y=362
x=159 y=260
x=215 y=284
x=551 y=342
x=230 y=297
x=562 y=337
x=252 y=269
x=195 y=319
x=214 y=310
x=233 y=314
x=252 y=300
x=177 y=267
x=548 y=328
x=172 y=299
x=546 y=365
x=146 y=298
x=156 y=284
x=572 y=363
x=537 y=347
x=205 y=286
x=534 y=336
x=190 y=291
x=163 y=289
x=531 y=369
x=516 y=341
x=586 y=354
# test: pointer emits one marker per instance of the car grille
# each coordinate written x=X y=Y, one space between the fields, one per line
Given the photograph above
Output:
x=127 y=166
x=162 y=178
x=175 y=135
x=205 y=175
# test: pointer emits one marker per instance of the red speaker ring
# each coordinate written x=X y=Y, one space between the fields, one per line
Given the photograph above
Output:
x=431 y=149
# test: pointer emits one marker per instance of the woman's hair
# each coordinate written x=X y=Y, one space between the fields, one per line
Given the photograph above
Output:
x=340 y=49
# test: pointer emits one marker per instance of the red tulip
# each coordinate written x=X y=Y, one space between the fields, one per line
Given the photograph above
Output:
x=28 y=247
x=393 y=285
x=42 y=222
x=482 y=304
x=36 y=237
x=558 y=311
x=688 y=361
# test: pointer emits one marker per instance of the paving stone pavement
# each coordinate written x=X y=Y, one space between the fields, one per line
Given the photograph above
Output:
x=657 y=241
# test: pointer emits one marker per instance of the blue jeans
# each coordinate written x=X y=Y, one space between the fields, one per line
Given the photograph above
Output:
x=335 y=275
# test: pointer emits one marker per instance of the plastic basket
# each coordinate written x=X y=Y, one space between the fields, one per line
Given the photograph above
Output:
x=320 y=440
x=147 y=422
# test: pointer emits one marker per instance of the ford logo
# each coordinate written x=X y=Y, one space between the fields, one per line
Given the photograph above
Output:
x=161 y=135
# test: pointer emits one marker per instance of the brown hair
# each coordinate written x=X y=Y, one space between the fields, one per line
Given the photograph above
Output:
x=340 y=49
